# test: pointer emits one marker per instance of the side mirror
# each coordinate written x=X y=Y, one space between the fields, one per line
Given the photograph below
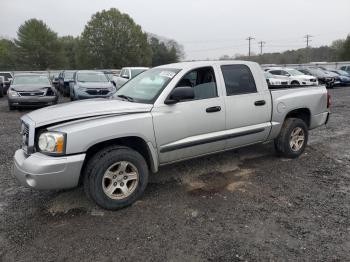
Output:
x=178 y=94
x=125 y=76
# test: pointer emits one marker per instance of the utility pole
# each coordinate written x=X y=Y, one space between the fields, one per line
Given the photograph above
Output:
x=249 y=40
x=308 y=40
x=261 y=43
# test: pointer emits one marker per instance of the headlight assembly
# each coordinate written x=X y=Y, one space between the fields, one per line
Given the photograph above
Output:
x=12 y=93
x=52 y=143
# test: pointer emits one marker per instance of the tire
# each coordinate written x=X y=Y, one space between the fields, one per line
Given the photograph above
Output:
x=104 y=188
x=295 y=83
x=284 y=144
x=1 y=91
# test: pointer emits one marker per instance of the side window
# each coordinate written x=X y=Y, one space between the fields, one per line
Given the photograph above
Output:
x=202 y=80
x=127 y=73
x=342 y=68
x=238 y=79
x=284 y=73
x=275 y=72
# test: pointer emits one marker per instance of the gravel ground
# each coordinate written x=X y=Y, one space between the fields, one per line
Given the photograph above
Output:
x=240 y=205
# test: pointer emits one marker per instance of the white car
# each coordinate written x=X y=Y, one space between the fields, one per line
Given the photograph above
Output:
x=273 y=81
x=126 y=74
x=293 y=76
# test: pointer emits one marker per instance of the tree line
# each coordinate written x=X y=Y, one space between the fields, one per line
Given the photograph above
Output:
x=110 y=39
x=339 y=50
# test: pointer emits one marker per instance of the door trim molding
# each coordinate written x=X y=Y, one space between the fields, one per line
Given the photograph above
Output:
x=206 y=140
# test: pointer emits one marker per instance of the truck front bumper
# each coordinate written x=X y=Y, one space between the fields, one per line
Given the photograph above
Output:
x=39 y=171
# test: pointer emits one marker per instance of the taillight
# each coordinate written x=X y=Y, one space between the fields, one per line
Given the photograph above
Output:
x=329 y=100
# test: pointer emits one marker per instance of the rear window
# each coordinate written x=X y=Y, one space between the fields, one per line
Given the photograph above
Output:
x=238 y=79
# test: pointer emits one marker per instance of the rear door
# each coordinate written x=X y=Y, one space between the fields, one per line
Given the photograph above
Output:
x=248 y=107
x=193 y=127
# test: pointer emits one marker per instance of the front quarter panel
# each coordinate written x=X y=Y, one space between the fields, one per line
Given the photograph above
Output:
x=83 y=134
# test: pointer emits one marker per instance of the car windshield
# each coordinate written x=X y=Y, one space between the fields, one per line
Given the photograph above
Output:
x=135 y=72
x=31 y=80
x=147 y=86
x=268 y=75
x=343 y=73
x=68 y=74
x=92 y=77
x=317 y=71
x=294 y=72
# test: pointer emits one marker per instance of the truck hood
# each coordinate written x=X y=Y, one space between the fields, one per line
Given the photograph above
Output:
x=95 y=85
x=85 y=109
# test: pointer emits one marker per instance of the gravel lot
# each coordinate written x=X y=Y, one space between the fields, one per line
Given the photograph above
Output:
x=241 y=205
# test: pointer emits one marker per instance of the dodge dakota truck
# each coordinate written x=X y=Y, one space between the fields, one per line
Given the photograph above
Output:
x=166 y=114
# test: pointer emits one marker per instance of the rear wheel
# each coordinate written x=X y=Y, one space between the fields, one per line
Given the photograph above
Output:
x=292 y=139
x=116 y=177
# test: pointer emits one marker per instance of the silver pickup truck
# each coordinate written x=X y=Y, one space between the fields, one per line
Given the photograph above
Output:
x=166 y=114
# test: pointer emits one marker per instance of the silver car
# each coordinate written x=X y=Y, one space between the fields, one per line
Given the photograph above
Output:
x=31 y=90
x=90 y=84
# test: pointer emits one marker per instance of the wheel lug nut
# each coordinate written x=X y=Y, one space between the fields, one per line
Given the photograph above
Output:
x=115 y=184
x=121 y=172
x=114 y=177
x=121 y=184
x=125 y=177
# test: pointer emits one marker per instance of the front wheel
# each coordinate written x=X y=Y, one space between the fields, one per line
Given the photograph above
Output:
x=292 y=139
x=115 y=177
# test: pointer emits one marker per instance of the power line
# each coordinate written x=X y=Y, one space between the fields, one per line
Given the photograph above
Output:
x=249 y=40
x=308 y=40
x=261 y=43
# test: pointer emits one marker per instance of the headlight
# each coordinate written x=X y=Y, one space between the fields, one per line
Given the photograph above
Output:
x=12 y=93
x=52 y=142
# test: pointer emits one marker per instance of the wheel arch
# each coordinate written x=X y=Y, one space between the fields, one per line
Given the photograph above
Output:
x=301 y=113
x=134 y=142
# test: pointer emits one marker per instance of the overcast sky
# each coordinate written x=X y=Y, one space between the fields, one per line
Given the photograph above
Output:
x=206 y=28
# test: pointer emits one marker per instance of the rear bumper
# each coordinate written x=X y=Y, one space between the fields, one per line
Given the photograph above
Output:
x=39 y=171
x=32 y=101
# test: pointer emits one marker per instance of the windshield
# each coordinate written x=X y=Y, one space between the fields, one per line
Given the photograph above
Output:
x=31 y=80
x=146 y=87
x=343 y=73
x=294 y=72
x=268 y=75
x=135 y=72
x=68 y=74
x=92 y=77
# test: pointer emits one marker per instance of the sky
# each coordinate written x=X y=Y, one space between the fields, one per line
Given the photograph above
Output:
x=207 y=29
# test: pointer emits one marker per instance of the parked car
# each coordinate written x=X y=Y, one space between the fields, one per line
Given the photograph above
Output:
x=293 y=76
x=337 y=81
x=321 y=76
x=31 y=90
x=8 y=76
x=164 y=115
x=90 y=84
x=54 y=77
x=2 y=80
x=273 y=81
x=345 y=68
x=128 y=73
x=344 y=77
x=64 y=78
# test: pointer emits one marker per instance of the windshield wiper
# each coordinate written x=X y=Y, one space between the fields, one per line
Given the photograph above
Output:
x=130 y=99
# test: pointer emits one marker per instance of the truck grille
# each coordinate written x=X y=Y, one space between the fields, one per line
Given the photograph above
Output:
x=31 y=93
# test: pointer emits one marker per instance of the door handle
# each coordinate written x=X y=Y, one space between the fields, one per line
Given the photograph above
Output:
x=213 y=109
x=260 y=103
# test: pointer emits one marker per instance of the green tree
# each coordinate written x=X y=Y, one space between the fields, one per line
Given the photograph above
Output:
x=344 y=53
x=162 y=54
x=113 y=40
x=38 y=46
x=70 y=47
x=7 y=55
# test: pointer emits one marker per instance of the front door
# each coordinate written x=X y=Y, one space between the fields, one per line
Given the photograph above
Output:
x=191 y=128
